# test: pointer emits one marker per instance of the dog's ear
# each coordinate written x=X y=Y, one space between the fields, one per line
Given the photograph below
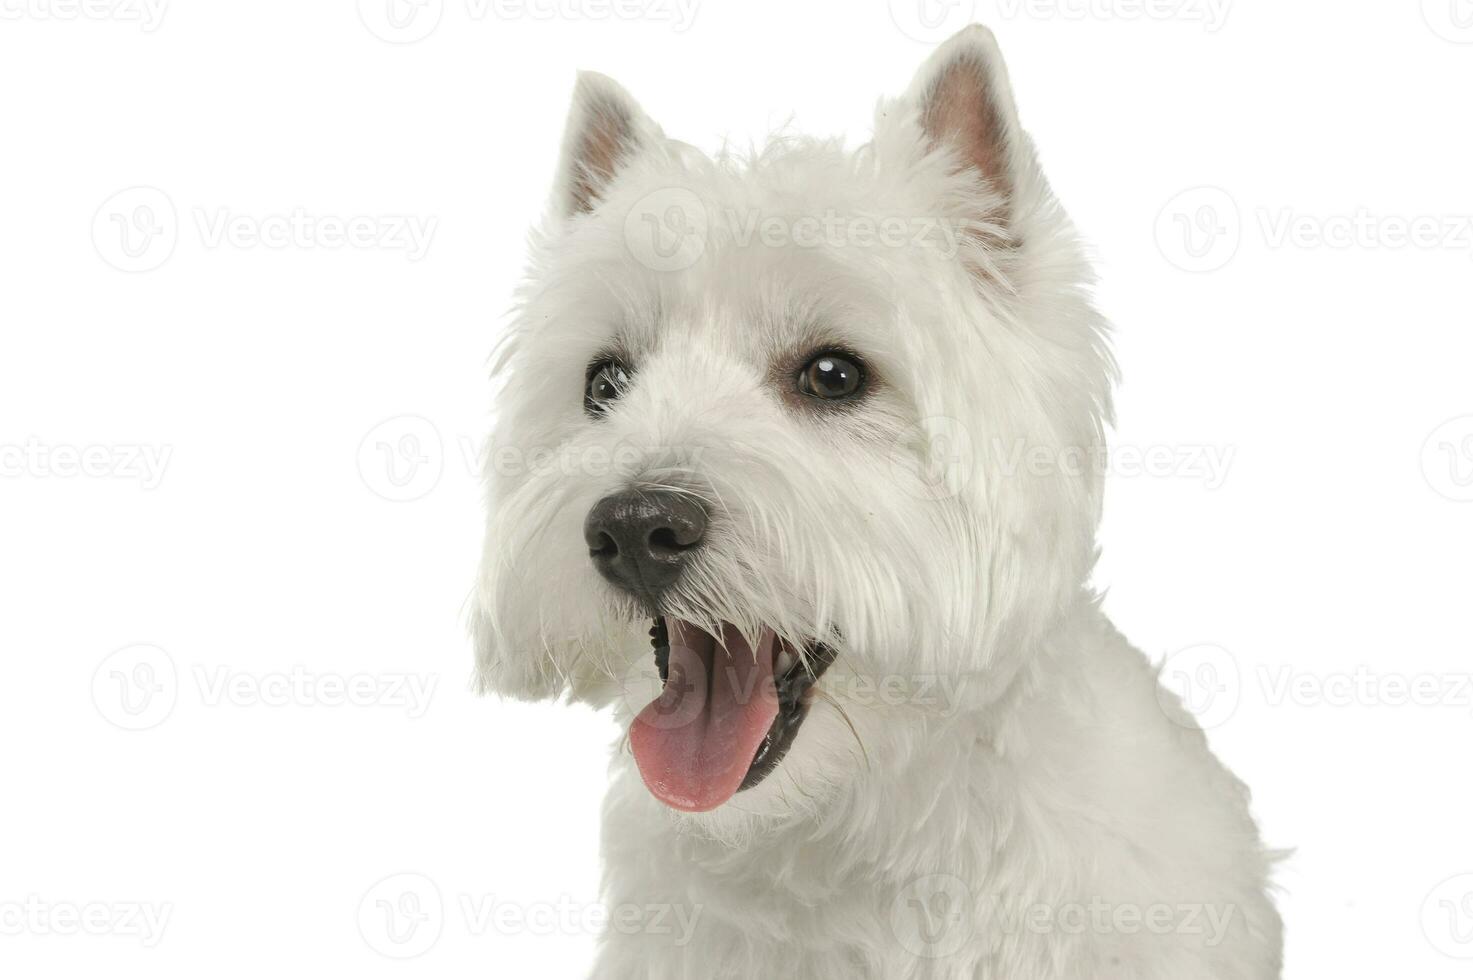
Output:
x=606 y=128
x=964 y=104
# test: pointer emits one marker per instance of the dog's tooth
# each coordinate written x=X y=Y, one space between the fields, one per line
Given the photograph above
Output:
x=785 y=661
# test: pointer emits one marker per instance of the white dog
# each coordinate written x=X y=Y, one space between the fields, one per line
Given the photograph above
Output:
x=826 y=424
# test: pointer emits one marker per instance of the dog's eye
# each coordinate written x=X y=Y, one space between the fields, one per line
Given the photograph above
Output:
x=606 y=381
x=831 y=375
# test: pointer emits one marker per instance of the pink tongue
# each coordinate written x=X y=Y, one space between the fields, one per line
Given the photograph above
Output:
x=695 y=742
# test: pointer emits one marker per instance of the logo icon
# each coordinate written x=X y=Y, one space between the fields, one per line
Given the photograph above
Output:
x=402 y=916
x=1447 y=917
x=641 y=687
x=666 y=229
x=1451 y=20
x=1199 y=230
x=933 y=916
x=136 y=229
x=933 y=458
x=401 y=459
x=1207 y=680
x=136 y=687
x=401 y=21
x=1447 y=459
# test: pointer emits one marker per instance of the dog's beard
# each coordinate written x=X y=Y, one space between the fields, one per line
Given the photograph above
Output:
x=727 y=713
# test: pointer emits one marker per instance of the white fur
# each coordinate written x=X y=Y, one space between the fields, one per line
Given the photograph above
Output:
x=1031 y=760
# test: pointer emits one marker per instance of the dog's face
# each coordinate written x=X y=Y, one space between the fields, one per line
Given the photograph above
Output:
x=794 y=454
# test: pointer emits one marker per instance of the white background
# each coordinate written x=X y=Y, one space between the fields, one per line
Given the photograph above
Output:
x=293 y=396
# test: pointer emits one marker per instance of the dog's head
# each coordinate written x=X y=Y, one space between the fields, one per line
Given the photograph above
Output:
x=805 y=438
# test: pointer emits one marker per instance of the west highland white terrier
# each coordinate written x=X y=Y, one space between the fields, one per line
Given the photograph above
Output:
x=795 y=465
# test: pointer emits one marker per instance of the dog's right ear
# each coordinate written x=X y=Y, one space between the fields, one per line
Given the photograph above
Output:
x=964 y=103
x=606 y=129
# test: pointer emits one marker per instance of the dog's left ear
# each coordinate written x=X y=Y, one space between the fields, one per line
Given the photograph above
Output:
x=606 y=129
x=964 y=105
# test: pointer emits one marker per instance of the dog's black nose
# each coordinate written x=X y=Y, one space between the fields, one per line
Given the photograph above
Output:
x=640 y=540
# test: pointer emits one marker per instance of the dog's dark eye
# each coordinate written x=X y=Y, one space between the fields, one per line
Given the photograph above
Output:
x=606 y=381
x=831 y=375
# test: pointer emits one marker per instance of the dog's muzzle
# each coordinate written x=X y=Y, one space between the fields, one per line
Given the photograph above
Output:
x=730 y=705
x=641 y=540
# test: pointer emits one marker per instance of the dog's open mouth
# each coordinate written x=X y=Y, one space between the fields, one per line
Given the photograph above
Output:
x=727 y=712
